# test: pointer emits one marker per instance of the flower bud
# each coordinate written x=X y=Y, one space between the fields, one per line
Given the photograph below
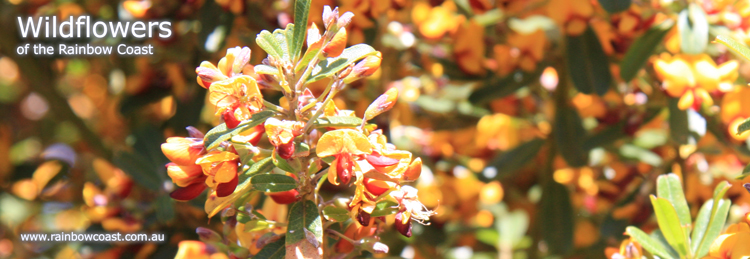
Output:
x=365 y=67
x=382 y=104
x=286 y=151
x=225 y=189
x=330 y=17
x=336 y=46
x=372 y=245
x=194 y=133
x=189 y=192
x=313 y=35
x=414 y=170
x=403 y=224
x=286 y=197
x=208 y=235
x=242 y=57
x=345 y=19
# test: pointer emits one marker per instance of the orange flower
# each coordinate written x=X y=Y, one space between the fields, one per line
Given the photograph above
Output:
x=281 y=135
x=345 y=145
x=732 y=244
x=221 y=169
x=571 y=15
x=523 y=51
x=434 y=22
x=469 y=48
x=235 y=96
x=184 y=152
x=735 y=109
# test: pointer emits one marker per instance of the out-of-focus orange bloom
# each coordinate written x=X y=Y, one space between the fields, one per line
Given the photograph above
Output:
x=589 y=105
x=629 y=249
x=571 y=15
x=693 y=77
x=523 y=51
x=734 y=109
x=469 y=48
x=434 y=22
x=190 y=249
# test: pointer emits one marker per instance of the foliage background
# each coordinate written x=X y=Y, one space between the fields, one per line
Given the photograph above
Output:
x=533 y=143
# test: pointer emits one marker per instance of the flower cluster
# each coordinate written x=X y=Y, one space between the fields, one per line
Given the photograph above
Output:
x=692 y=78
x=287 y=149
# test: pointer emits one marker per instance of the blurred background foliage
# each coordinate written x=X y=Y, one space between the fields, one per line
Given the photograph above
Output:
x=543 y=124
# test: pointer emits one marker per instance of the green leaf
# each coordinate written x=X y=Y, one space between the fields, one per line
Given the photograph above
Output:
x=221 y=133
x=745 y=173
x=615 y=6
x=335 y=213
x=587 y=63
x=261 y=69
x=638 y=53
x=139 y=169
x=275 y=250
x=500 y=87
x=267 y=41
x=556 y=215
x=669 y=224
x=282 y=163
x=273 y=182
x=244 y=184
x=678 y=123
x=384 y=208
x=669 y=187
x=258 y=225
x=303 y=215
x=569 y=134
x=301 y=12
x=648 y=243
x=164 y=208
x=744 y=126
x=709 y=223
x=281 y=41
x=693 y=26
x=735 y=46
x=330 y=66
x=513 y=160
x=338 y=121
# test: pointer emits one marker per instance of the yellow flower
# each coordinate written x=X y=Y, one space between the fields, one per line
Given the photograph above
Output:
x=692 y=78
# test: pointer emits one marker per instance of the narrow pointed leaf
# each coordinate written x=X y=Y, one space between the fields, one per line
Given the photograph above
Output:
x=221 y=133
x=273 y=183
x=587 y=63
x=638 y=53
x=735 y=46
x=303 y=215
x=669 y=187
x=330 y=66
x=669 y=223
x=301 y=13
x=648 y=243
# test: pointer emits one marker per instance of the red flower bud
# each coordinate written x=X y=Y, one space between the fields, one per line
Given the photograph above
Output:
x=225 y=189
x=229 y=119
x=403 y=228
x=286 y=150
x=189 y=192
x=336 y=46
x=286 y=197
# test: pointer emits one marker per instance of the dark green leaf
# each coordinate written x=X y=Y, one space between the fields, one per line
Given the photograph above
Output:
x=164 y=208
x=338 y=121
x=669 y=224
x=745 y=173
x=669 y=187
x=744 y=126
x=513 y=160
x=678 y=123
x=569 y=134
x=587 y=63
x=693 y=27
x=273 y=182
x=735 y=46
x=275 y=250
x=330 y=66
x=556 y=218
x=301 y=12
x=303 y=215
x=220 y=133
x=642 y=48
x=337 y=214
x=500 y=87
x=139 y=168
x=648 y=243
x=615 y=6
